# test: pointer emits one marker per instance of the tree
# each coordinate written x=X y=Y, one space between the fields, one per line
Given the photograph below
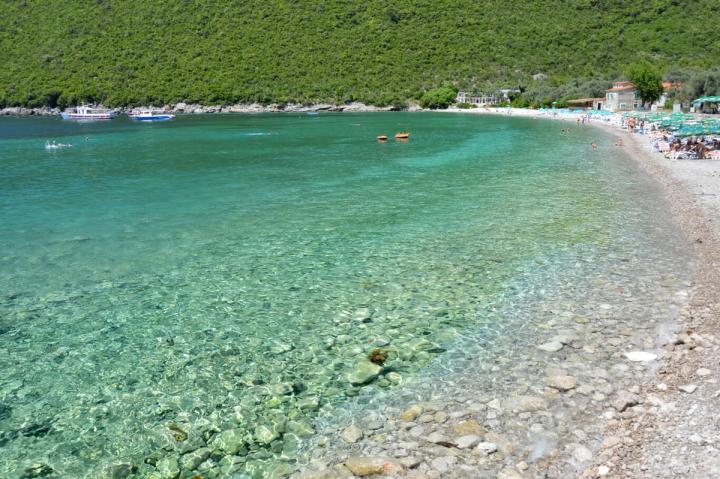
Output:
x=438 y=98
x=647 y=80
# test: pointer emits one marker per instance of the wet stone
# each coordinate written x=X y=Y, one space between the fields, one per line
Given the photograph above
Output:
x=470 y=426
x=551 y=346
x=229 y=442
x=561 y=382
x=265 y=435
x=168 y=468
x=411 y=413
x=366 y=466
x=364 y=372
x=525 y=403
x=351 y=434
x=192 y=460
x=43 y=470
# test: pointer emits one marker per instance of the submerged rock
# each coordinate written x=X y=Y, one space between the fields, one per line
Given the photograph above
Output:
x=265 y=435
x=525 y=403
x=351 y=434
x=366 y=466
x=168 y=468
x=229 y=442
x=364 y=372
x=551 y=346
x=470 y=426
x=42 y=470
x=411 y=413
x=192 y=460
x=561 y=382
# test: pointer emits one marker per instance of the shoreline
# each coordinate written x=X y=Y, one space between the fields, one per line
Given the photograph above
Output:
x=658 y=424
x=184 y=108
x=673 y=434
x=626 y=443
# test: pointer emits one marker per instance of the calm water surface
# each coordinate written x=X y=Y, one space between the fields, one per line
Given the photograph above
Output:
x=160 y=284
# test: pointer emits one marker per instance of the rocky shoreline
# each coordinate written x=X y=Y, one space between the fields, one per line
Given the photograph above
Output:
x=623 y=391
x=198 y=109
x=673 y=431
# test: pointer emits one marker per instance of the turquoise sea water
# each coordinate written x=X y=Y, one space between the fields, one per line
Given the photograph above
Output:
x=167 y=286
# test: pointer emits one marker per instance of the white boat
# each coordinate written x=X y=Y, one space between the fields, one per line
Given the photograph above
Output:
x=52 y=145
x=150 y=115
x=84 y=112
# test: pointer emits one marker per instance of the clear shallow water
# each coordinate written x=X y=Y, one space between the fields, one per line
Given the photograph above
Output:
x=225 y=273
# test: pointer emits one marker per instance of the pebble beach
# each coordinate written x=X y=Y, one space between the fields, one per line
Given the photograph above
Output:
x=621 y=381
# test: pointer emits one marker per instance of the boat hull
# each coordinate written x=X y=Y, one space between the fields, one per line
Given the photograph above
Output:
x=87 y=117
x=152 y=117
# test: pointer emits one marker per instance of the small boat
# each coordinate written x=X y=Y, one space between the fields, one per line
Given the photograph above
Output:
x=402 y=135
x=382 y=138
x=150 y=115
x=52 y=145
x=84 y=112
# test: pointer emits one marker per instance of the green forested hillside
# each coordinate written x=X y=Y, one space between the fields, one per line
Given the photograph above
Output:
x=377 y=51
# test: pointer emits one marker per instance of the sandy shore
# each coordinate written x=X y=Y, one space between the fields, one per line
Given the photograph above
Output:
x=582 y=407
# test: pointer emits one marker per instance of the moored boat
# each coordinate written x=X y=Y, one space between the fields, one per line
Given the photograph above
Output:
x=85 y=112
x=402 y=135
x=382 y=138
x=150 y=115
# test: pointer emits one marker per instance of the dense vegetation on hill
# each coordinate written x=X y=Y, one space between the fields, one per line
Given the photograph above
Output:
x=377 y=51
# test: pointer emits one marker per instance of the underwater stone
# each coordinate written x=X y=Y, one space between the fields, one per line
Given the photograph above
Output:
x=280 y=348
x=301 y=428
x=38 y=470
x=393 y=377
x=351 y=434
x=308 y=403
x=471 y=426
x=551 y=347
x=230 y=464
x=525 y=403
x=363 y=315
x=411 y=413
x=421 y=344
x=366 y=466
x=364 y=372
x=291 y=444
x=561 y=382
x=281 y=389
x=265 y=435
x=168 y=468
x=193 y=459
x=229 y=442
x=116 y=470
